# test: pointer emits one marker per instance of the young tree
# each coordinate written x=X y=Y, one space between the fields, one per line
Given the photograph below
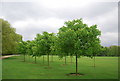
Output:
x=39 y=45
x=29 y=49
x=77 y=38
x=35 y=51
x=22 y=48
x=65 y=42
x=53 y=39
x=95 y=50
x=45 y=42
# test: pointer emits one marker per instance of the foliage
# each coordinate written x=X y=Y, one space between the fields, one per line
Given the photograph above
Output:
x=77 y=38
x=110 y=51
x=23 y=47
x=10 y=38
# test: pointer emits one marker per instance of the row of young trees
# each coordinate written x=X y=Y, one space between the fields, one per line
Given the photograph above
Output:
x=42 y=45
x=73 y=39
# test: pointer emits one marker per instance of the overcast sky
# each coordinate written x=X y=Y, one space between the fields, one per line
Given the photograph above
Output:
x=34 y=17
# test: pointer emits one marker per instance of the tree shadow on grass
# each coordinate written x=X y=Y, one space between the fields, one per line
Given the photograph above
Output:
x=74 y=74
x=48 y=67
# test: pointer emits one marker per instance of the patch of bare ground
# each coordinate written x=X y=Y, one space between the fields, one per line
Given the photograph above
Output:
x=4 y=57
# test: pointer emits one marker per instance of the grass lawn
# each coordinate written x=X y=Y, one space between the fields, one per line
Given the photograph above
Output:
x=15 y=68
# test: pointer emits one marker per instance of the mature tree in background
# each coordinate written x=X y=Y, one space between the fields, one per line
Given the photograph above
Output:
x=109 y=51
x=10 y=38
x=113 y=50
x=103 y=52
x=78 y=39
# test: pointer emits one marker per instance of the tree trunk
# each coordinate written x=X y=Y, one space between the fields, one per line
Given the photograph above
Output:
x=29 y=57
x=24 y=57
x=65 y=60
x=43 y=59
x=48 y=59
x=52 y=58
x=71 y=58
x=94 y=61
x=76 y=65
x=35 y=59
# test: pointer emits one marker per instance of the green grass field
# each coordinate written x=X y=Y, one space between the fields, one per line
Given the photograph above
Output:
x=15 y=68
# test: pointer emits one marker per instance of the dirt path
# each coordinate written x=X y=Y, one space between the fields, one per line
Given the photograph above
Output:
x=3 y=57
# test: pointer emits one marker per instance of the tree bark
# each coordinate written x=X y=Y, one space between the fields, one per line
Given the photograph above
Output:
x=48 y=59
x=24 y=57
x=52 y=58
x=35 y=59
x=94 y=61
x=71 y=58
x=65 y=60
x=76 y=65
x=43 y=59
x=29 y=57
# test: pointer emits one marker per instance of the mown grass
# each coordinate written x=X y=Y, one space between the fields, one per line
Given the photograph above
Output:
x=15 y=68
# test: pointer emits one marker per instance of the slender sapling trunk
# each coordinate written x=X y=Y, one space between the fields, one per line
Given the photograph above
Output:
x=76 y=65
x=94 y=61
x=24 y=57
x=29 y=57
x=52 y=57
x=35 y=59
x=65 y=60
x=43 y=59
x=71 y=58
x=48 y=59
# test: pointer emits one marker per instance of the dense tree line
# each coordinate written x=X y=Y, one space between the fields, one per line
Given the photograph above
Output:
x=10 y=38
x=110 y=51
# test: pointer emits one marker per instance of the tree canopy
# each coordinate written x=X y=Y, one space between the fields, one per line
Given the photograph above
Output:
x=10 y=38
x=77 y=38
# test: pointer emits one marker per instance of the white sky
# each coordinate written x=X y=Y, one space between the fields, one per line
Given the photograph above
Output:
x=30 y=17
